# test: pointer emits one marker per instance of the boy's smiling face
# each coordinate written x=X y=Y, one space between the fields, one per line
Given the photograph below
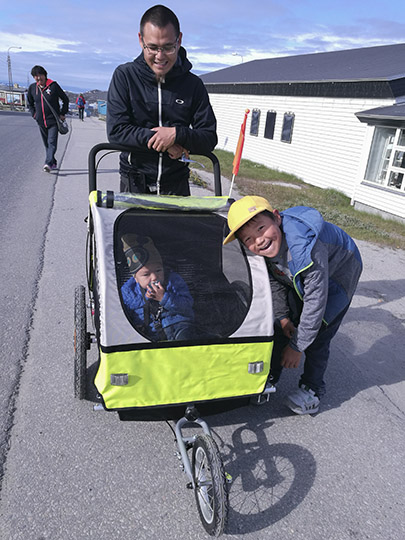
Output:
x=262 y=235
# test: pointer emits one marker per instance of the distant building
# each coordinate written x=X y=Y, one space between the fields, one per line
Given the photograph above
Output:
x=14 y=96
x=102 y=107
x=336 y=120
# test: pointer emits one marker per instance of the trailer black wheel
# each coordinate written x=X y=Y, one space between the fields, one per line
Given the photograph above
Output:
x=211 y=491
x=80 y=342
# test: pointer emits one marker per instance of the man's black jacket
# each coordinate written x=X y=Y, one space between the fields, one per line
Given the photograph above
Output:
x=133 y=106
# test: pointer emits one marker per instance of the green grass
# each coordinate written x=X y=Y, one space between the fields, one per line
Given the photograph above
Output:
x=255 y=179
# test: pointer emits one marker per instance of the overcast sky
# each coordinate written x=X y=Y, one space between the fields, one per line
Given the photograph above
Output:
x=81 y=42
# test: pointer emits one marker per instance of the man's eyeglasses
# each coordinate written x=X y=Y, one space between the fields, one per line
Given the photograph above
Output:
x=166 y=49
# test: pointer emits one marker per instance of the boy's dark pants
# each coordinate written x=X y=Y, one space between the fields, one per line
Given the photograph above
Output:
x=316 y=355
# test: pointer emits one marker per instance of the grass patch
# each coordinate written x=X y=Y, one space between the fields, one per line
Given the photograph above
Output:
x=196 y=180
x=255 y=179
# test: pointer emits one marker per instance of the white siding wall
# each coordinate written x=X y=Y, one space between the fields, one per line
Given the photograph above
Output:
x=327 y=138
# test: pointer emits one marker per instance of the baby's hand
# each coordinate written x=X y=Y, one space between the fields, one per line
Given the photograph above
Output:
x=155 y=291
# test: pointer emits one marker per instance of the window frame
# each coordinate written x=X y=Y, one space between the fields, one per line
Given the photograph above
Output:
x=270 y=116
x=385 y=171
x=287 y=130
x=255 y=123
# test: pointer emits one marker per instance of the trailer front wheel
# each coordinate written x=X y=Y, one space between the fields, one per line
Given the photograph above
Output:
x=80 y=342
x=211 y=491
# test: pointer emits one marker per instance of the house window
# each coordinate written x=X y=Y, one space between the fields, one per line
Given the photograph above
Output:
x=288 y=124
x=386 y=162
x=270 y=124
x=254 y=124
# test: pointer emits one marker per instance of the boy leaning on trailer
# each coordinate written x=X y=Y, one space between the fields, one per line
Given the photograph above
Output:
x=314 y=267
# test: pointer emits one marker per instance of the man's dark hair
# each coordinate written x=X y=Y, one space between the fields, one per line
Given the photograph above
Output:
x=39 y=70
x=160 y=16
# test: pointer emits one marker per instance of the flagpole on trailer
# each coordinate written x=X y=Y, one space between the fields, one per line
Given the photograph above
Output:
x=238 y=152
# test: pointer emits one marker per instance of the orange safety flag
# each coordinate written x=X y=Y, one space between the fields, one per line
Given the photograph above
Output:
x=239 y=148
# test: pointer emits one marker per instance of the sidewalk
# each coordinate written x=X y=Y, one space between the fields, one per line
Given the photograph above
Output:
x=337 y=475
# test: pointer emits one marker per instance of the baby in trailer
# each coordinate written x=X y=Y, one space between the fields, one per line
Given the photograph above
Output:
x=159 y=306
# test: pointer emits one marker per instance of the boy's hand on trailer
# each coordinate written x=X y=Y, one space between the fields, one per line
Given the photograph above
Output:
x=291 y=358
x=287 y=327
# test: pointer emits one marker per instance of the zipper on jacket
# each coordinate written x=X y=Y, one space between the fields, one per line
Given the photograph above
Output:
x=295 y=275
x=160 y=162
x=43 y=108
x=47 y=84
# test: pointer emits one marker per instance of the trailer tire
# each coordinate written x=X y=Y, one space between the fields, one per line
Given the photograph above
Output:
x=211 y=492
x=80 y=343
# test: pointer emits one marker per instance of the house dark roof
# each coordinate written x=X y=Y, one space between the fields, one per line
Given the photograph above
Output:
x=384 y=63
x=394 y=113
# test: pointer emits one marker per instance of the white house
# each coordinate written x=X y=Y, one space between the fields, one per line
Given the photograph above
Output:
x=336 y=120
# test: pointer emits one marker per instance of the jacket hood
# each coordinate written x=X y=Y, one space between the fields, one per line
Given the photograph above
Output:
x=302 y=226
x=182 y=65
x=47 y=83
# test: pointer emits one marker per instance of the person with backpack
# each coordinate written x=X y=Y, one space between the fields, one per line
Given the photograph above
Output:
x=81 y=102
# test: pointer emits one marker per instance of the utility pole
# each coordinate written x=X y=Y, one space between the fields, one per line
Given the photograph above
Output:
x=10 y=76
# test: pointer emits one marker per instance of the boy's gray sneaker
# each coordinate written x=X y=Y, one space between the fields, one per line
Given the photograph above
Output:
x=303 y=401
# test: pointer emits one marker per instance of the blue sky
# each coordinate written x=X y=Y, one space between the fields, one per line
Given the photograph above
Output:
x=81 y=43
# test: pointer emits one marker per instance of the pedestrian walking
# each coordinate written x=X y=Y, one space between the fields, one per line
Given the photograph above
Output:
x=43 y=96
x=81 y=102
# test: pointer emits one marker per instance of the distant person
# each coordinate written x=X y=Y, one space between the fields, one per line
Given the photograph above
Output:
x=42 y=113
x=81 y=102
x=156 y=106
x=314 y=268
x=159 y=305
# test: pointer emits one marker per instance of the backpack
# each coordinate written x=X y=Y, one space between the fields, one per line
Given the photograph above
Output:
x=80 y=102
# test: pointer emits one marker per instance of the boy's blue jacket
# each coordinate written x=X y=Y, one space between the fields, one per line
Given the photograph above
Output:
x=177 y=302
x=326 y=266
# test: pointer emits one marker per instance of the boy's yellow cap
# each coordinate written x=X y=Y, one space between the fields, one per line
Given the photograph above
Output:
x=242 y=210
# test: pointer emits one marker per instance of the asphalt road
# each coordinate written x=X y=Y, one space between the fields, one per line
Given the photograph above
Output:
x=73 y=473
x=27 y=201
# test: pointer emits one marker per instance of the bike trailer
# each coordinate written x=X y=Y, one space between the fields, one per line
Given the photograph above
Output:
x=228 y=353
